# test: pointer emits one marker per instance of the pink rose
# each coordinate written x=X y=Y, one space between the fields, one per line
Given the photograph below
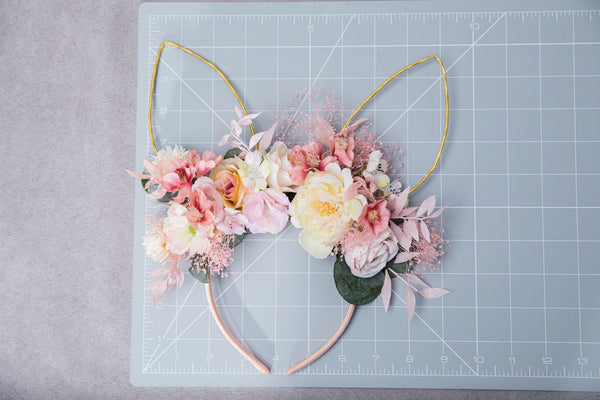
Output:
x=266 y=211
x=367 y=260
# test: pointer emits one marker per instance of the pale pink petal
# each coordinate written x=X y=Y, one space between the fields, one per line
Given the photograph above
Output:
x=404 y=240
x=157 y=288
x=351 y=191
x=179 y=277
x=255 y=138
x=326 y=161
x=397 y=203
x=323 y=130
x=386 y=291
x=238 y=112
x=158 y=194
x=425 y=231
x=407 y=212
x=410 y=227
x=148 y=165
x=171 y=181
x=427 y=206
x=437 y=213
x=137 y=174
x=415 y=279
x=403 y=197
x=224 y=140
x=159 y=272
x=237 y=144
x=235 y=127
x=405 y=256
x=247 y=120
x=433 y=292
x=410 y=302
x=352 y=127
x=343 y=157
x=266 y=140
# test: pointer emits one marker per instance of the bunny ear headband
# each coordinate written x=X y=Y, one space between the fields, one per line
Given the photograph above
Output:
x=335 y=188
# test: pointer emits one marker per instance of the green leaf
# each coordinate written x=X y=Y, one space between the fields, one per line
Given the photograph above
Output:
x=202 y=272
x=400 y=268
x=237 y=239
x=353 y=289
x=231 y=153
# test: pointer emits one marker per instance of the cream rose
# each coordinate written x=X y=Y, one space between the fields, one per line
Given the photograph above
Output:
x=318 y=208
x=279 y=158
x=365 y=261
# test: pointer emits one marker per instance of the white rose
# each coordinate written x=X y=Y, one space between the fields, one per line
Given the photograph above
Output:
x=365 y=261
x=279 y=158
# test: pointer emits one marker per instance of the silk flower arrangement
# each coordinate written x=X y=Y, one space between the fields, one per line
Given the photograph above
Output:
x=335 y=188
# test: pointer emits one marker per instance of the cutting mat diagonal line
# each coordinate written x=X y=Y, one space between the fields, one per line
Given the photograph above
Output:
x=192 y=90
x=470 y=48
x=308 y=92
x=180 y=308
x=438 y=336
x=152 y=361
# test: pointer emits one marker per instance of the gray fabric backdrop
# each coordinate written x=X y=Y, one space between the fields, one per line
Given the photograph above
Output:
x=67 y=134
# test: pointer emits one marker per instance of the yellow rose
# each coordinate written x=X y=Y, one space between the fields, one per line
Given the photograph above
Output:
x=229 y=183
x=319 y=209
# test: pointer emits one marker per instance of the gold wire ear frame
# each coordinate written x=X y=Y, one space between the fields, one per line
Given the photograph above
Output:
x=351 y=307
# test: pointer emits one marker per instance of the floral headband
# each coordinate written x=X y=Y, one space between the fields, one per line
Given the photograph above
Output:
x=335 y=188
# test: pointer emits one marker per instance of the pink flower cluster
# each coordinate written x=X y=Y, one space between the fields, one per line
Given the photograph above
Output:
x=343 y=205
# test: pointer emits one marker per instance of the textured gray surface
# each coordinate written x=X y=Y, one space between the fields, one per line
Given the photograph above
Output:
x=68 y=79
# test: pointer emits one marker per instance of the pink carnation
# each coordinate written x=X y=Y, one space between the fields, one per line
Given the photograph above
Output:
x=266 y=211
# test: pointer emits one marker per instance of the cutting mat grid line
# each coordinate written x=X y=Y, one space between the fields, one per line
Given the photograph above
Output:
x=519 y=175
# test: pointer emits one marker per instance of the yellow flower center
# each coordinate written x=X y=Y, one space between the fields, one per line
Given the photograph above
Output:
x=373 y=216
x=325 y=209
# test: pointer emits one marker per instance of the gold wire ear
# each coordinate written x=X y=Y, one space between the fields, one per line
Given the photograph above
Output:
x=352 y=307
x=447 y=110
x=209 y=294
x=204 y=60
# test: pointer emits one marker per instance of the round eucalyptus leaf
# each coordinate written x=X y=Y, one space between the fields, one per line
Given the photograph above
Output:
x=353 y=289
x=231 y=153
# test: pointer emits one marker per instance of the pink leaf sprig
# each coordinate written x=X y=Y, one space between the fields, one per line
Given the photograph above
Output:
x=413 y=282
x=234 y=139
x=413 y=223
x=159 y=287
